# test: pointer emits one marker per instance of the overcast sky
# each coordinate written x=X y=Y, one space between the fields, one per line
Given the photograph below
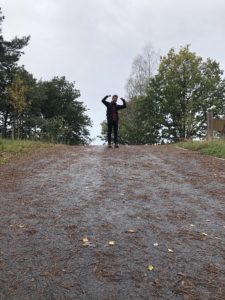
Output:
x=94 y=42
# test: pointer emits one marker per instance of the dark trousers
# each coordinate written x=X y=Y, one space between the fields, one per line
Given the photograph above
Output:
x=113 y=125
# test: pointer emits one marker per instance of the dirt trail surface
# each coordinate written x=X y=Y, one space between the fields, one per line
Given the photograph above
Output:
x=161 y=207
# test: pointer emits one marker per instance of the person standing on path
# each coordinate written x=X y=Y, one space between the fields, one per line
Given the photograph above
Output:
x=113 y=117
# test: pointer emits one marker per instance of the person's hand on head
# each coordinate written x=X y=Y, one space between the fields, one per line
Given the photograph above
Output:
x=108 y=96
x=122 y=98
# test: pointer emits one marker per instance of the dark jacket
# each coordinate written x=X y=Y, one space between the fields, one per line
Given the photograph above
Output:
x=109 y=108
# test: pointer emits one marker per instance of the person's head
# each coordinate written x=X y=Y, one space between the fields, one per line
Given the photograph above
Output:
x=114 y=98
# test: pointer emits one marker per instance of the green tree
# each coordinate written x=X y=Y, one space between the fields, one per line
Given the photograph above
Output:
x=139 y=124
x=18 y=99
x=10 y=52
x=186 y=87
x=32 y=116
x=66 y=113
x=26 y=97
x=176 y=100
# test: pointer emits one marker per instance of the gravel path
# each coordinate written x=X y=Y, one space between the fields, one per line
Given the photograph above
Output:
x=139 y=222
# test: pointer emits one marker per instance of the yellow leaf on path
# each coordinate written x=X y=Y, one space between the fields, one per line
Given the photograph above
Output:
x=192 y=225
x=85 y=241
x=112 y=243
x=151 y=267
x=131 y=230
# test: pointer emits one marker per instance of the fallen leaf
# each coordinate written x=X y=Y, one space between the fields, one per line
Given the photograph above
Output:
x=21 y=226
x=182 y=282
x=85 y=241
x=86 y=244
x=170 y=250
x=204 y=234
x=112 y=243
x=155 y=244
x=151 y=267
x=67 y=286
x=132 y=230
x=192 y=225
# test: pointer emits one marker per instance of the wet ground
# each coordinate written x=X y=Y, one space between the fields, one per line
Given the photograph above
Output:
x=139 y=222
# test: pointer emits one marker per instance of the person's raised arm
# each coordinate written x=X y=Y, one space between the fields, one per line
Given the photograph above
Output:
x=124 y=104
x=104 y=100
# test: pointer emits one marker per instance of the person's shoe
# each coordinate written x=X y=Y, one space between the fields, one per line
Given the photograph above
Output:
x=109 y=146
x=116 y=146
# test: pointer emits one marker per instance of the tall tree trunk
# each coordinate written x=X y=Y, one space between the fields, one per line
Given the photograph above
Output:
x=5 y=120
x=18 y=128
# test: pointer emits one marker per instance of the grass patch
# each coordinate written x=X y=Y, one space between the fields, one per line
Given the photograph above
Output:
x=9 y=148
x=214 y=148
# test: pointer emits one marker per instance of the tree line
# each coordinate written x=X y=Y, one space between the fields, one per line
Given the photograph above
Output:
x=169 y=97
x=37 y=109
